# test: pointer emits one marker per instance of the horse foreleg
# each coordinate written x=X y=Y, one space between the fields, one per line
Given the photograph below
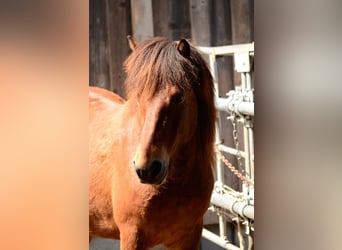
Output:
x=191 y=242
x=130 y=239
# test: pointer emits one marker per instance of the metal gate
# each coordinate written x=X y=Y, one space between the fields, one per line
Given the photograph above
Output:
x=239 y=106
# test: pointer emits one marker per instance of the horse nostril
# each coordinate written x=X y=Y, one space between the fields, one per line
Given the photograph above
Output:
x=155 y=168
x=153 y=173
x=140 y=173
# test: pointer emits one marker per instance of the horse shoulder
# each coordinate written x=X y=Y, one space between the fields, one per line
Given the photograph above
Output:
x=105 y=108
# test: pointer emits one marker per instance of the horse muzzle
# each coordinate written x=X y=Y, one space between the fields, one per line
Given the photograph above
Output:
x=154 y=172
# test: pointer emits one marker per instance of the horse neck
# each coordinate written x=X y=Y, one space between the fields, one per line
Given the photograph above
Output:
x=193 y=162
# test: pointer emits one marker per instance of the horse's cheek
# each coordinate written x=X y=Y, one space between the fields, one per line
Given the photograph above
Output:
x=190 y=124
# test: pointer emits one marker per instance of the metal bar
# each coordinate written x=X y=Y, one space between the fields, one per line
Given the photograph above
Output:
x=230 y=150
x=246 y=108
x=217 y=240
x=245 y=187
x=225 y=104
x=219 y=170
x=243 y=80
x=248 y=81
x=247 y=158
x=251 y=151
x=233 y=151
x=227 y=50
x=232 y=204
x=250 y=131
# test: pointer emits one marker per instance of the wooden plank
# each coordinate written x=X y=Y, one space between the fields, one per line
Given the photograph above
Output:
x=242 y=21
x=119 y=26
x=211 y=22
x=171 y=18
x=221 y=23
x=98 y=45
x=142 y=19
x=200 y=22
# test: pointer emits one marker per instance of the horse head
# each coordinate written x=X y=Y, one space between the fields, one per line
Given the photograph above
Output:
x=162 y=78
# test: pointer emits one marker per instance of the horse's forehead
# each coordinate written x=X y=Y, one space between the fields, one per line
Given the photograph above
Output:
x=173 y=89
x=170 y=90
x=164 y=94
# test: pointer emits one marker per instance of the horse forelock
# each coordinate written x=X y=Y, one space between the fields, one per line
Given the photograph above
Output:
x=154 y=65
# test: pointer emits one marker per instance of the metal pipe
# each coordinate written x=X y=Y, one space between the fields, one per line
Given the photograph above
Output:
x=217 y=240
x=227 y=50
x=232 y=204
x=250 y=129
x=233 y=151
x=243 y=80
x=248 y=146
x=251 y=151
x=230 y=150
x=245 y=108
x=247 y=158
x=219 y=170
x=245 y=187
x=248 y=80
x=226 y=104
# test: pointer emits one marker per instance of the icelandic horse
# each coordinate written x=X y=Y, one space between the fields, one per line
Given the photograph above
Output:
x=151 y=156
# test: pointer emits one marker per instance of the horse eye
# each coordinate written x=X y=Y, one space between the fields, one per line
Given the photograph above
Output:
x=177 y=98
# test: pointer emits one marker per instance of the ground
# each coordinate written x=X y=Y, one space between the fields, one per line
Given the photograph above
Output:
x=106 y=244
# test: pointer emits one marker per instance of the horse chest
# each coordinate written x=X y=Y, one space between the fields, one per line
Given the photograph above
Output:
x=171 y=216
x=178 y=208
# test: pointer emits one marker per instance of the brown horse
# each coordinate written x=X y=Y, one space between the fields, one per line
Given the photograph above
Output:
x=151 y=156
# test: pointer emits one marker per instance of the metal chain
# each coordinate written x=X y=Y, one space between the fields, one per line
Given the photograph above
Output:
x=233 y=169
x=236 y=141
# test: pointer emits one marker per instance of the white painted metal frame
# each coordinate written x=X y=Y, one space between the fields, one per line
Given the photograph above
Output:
x=245 y=208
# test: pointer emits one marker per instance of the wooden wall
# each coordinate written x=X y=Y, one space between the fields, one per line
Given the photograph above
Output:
x=109 y=24
x=206 y=22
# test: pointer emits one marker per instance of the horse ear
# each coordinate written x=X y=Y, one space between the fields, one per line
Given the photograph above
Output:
x=132 y=43
x=183 y=47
